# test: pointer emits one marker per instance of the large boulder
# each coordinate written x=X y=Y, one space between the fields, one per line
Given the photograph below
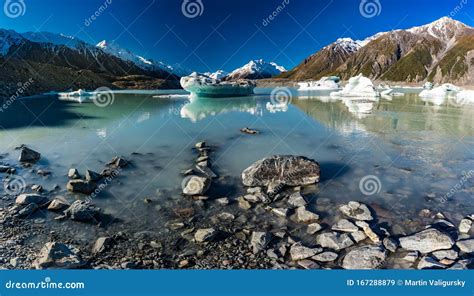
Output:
x=82 y=211
x=280 y=170
x=81 y=186
x=365 y=257
x=427 y=241
x=58 y=255
x=28 y=198
x=28 y=155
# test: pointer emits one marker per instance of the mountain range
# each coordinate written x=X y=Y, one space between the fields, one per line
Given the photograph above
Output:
x=442 y=51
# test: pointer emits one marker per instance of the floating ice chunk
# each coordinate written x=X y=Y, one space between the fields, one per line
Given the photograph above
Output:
x=440 y=91
x=325 y=83
x=204 y=86
x=465 y=97
x=358 y=86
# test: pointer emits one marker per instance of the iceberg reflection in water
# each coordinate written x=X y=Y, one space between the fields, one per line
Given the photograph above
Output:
x=200 y=108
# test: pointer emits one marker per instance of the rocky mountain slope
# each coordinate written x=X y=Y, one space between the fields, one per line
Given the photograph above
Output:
x=58 y=62
x=441 y=51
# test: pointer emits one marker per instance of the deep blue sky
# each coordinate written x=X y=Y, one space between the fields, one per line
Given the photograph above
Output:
x=227 y=34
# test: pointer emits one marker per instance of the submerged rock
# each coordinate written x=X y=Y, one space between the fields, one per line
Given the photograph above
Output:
x=28 y=198
x=195 y=185
x=81 y=186
x=73 y=174
x=205 y=234
x=300 y=252
x=82 y=211
x=28 y=155
x=334 y=240
x=296 y=200
x=58 y=255
x=118 y=162
x=280 y=170
x=92 y=176
x=249 y=131
x=427 y=241
x=365 y=257
x=302 y=215
x=356 y=210
x=259 y=240
x=28 y=210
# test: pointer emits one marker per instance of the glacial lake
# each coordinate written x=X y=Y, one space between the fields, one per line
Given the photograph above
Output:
x=419 y=151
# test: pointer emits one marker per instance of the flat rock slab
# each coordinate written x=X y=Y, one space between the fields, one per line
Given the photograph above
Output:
x=365 y=257
x=280 y=170
x=28 y=198
x=357 y=211
x=427 y=241
x=58 y=255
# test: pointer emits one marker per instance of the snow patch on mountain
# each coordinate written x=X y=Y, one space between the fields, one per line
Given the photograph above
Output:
x=257 y=69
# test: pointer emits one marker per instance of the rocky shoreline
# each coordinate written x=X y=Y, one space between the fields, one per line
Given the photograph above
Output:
x=274 y=225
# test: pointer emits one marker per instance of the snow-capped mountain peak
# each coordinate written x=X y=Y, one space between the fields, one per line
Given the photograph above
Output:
x=127 y=55
x=256 y=69
x=444 y=28
x=346 y=44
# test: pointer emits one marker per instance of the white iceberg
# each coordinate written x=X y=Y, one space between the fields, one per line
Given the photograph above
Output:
x=440 y=91
x=358 y=86
x=428 y=85
x=465 y=97
x=325 y=83
x=201 y=85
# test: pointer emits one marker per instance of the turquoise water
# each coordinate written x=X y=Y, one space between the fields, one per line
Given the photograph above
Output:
x=418 y=151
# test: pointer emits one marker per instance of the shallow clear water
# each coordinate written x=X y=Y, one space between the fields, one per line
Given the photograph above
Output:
x=417 y=150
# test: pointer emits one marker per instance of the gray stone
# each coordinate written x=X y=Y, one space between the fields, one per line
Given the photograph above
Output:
x=465 y=225
x=374 y=237
x=445 y=254
x=58 y=255
x=282 y=170
x=358 y=236
x=313 y=228
x=243 y=204
x=345 y=226
x=281 y=212
x=101 y=244
x=58 y=204
x=224 y=217
x=302 y=215
x=411 y=256
x=118 y=162
x=81 y=186
x=427 y=241
x=195 y=185
x=327 y=256
x=356 y=210
x=390 y=244
x=73 y=174
x=259 y=240
x=204 y=235
x=300 y=252
x=462 y=264
x=365 y=257
x=296 y=200
x=92 y=176
x=334 y=240
x=200 y=145
x=427 y=262
x=28 y=155
x=28 y=210
x=205 y=171
x=223 y=201
x=28 y=198
x=308 y=264
x=83 y=211
x=467 y=245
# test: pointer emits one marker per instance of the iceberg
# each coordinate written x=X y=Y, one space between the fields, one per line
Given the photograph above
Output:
x=325 y=83
x=465 y=97
x=201 y=85
x=428 y=85
x=440 y=91
x=358 y=86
